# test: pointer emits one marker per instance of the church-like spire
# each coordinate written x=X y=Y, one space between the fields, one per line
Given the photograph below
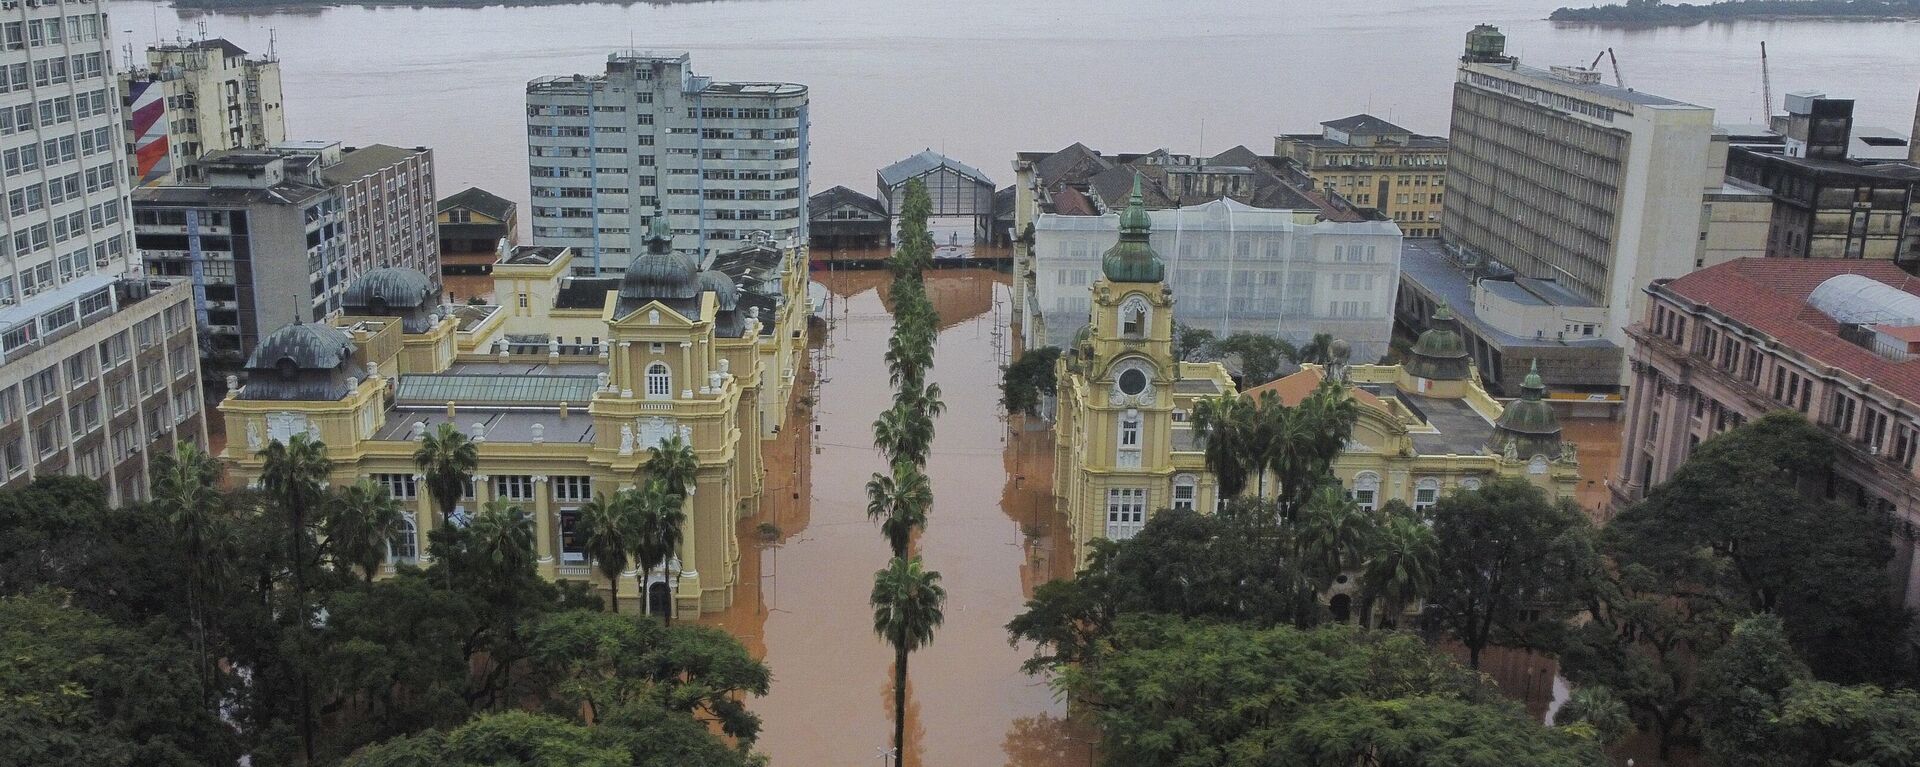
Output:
x=1132 y=259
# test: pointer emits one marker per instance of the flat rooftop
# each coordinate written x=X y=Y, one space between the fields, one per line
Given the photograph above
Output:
x=1427 y=265
x=1601 y=89
x=1457 y=428
x=498 y=424
x=587 y=368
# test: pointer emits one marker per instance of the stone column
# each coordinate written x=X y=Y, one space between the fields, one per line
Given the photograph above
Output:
x=543 y=543
x=480 y=493
x=687 y=380
x=425 y=517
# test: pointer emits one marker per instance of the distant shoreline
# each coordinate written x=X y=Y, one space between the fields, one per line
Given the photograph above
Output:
x=314 y=5
x=1641 y=13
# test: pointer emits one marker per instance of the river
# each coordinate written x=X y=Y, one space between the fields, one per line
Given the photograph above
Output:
x=981 y=80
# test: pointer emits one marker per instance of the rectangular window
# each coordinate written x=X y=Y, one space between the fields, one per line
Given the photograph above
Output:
x=514 y=487
x=573 y=551
x=572 y=489
x=402 y=487
x=1183 y=496
x=1129 y=433
x=1126 y=511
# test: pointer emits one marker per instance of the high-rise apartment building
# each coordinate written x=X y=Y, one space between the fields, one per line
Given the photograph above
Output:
x=275 y=237
x=196 y=98
x=606 y=153
x=1377 y=164
x=390 y=201
x=98 y=368
x=1591 y=189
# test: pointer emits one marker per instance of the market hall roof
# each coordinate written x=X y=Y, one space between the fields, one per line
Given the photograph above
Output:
x=925 y=162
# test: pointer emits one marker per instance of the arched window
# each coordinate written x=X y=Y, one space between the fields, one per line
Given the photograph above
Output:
x=659 y=381
x=1133 y=317
x=1366 y=490
x=406 y=548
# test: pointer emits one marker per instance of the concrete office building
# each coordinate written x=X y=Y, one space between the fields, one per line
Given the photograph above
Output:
x=1377 y=164
x=263 y=241
x=196 y=98
x=390 y=201
x=1835 y=193
x=1558 y=177
x=1836 y=339
x=606 y=153
x=98 y=367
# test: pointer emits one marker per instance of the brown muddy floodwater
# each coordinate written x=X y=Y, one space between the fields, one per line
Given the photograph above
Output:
x=803 y=600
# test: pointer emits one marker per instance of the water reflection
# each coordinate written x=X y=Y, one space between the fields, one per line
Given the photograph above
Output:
x=802 y=603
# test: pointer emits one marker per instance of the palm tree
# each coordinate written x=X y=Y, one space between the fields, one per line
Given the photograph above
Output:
x=906 y=609
x=184 y=491
x=1318 y=351
x=503 y=532
x=606 y=529
x=659 y=516
x=900 y=502
x=363 y=522
x=448 y=458
x=1333 y=533
x=294 y=473
x=1399 y=566
x=909 y=354
x=674 y=463
x=1304 y=439
x=1225 y=425
x=903 y=434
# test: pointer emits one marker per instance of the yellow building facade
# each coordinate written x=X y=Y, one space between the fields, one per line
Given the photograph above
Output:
x=1125 y=446
x=1376 y=164
x=667 y=349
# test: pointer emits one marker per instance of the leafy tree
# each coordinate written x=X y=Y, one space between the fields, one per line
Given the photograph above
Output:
x=362 y=524
x=1743 y=688
x=1596 y=707
x=659 y=516
x=1025 y=383
x=1861 y=724
x=906 y=609
x=607 y=662
x=448 y=458
x=1732 y=525
x=607 y=530
x=1318 y=350
x=1515 y=560
x=899 y=501
x=1178 y=692
x=77 y=689
x=626 y=739
x=1191 y=343
x=1261 y=356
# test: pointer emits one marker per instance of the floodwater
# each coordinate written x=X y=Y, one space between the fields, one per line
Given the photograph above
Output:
x=806 y=579
x=982 y=79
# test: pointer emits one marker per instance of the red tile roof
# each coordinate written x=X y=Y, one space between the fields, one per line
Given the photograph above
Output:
x=1291 y=390
x=1770 y=296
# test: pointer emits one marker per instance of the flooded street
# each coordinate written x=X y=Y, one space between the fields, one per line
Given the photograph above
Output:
x=810 y=554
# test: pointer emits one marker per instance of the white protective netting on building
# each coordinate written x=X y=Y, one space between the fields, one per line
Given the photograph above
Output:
x=1234 y=268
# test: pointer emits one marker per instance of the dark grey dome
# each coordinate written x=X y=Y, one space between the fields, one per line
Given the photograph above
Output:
x=727 y=295
x=302 y=347
x=660 y=276
x=390 y=288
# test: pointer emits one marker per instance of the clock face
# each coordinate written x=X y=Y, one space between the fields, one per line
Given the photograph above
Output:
x=1132 y=381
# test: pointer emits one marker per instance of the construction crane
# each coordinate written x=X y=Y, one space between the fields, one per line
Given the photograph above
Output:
x=1608 y=55
x=1766 y=89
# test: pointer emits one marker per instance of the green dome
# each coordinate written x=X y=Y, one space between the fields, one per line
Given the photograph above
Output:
x=1528 y=423
x=1440 y=354
x=1132 y=259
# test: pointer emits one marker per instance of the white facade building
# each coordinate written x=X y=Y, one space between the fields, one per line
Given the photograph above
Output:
x=606 y=153
x=211 y=97
x=98 y=367
x=1236 y=268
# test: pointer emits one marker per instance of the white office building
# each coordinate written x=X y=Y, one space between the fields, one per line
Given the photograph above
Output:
x=98 y=366
x=606 y=153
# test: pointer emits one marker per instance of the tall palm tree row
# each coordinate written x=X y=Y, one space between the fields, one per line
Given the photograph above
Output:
x=363 y=523
x=659 y=516
x=184 y=492
x=295 y=475
x=907 y=606
x=606 y=528
x=1246 y=440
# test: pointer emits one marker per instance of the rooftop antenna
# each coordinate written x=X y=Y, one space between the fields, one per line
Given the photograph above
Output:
x=202 y=26
x=1201 y=151
x=273 y=44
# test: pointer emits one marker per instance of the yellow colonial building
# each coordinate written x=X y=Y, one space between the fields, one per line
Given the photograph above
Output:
x=1125 y=446
x=563 y=387
x=1376 y=164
